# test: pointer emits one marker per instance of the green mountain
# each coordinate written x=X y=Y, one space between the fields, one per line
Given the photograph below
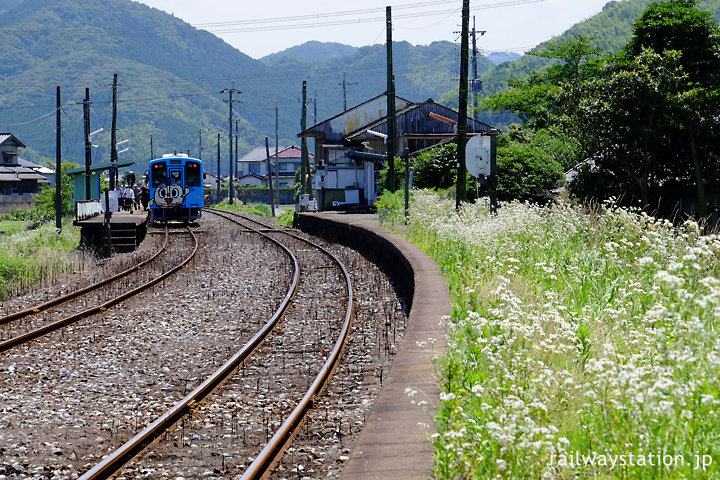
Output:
x=611 y=29
x=313 y=51
x=170 y=79
x=171 y=76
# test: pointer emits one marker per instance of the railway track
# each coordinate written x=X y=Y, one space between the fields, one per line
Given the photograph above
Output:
x=68 y=403
x=270 y=454
x=38 y=320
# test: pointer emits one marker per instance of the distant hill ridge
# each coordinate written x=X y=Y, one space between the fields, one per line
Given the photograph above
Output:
x=171 y=75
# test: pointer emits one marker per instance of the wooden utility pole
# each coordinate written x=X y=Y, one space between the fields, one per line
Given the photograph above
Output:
x=269 y=168
x=462 y=107
x=230 y=91
x=88 y=142
x=390 y=182
x=58 y=162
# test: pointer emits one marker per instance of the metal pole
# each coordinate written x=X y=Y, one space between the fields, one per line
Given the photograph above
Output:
x=218 y=169
x=88 y=143
x=390 y=182
x=407 y=185
x=462 y=107
x=113 y=137
x=277 y=157
x=269 y=167
x=58 y=164
x=230 y=138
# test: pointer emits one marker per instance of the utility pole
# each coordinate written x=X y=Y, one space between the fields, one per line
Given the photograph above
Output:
x=113 y=137
x=476 y=84
x=462 y=107
x=152 y=151
x=58 y=163
x=218 y=170
x=200 y=145
x=277 y=156
x=269 y=167
x=237 y=129
x=345 y=84
x=390 y=181
x=305 y=162
x=305 y=165
x=88 y=142
x=230 y=91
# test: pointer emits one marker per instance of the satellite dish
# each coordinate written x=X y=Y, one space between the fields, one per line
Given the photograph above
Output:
x=477 y=155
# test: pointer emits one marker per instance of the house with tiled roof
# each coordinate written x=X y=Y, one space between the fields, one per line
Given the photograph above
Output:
x=19 y=178
x=252 y=168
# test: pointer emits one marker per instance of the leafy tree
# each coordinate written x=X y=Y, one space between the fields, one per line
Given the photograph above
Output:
x=526 y=170
x=44 y=207
x=651 y=115
x=436 y=168
x=545 y=95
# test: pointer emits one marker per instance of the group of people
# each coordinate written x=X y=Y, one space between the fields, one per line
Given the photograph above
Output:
x=130 y=197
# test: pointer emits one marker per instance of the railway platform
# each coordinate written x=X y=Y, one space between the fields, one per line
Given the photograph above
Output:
x=391 y=443
x=123 y=233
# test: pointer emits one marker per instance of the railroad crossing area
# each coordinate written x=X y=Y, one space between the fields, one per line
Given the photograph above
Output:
x=122 y=232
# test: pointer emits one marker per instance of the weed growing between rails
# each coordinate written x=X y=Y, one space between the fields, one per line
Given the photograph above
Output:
x=36 y=255
x=582 y=345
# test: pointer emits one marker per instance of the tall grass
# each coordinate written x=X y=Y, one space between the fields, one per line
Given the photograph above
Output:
x=35 y=255
x=582 y=344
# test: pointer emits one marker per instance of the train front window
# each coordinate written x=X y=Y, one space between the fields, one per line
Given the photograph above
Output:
x=158 y=175
x=193 y=176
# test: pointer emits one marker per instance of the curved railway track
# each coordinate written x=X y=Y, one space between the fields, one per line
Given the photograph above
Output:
x=69 y=400
x=272 y=452
x=67 y=319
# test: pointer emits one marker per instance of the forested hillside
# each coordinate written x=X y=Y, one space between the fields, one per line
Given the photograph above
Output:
x=609 y=29
x=170 y=78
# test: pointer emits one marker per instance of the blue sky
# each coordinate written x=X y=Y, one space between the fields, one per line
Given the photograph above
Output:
x=261 y=28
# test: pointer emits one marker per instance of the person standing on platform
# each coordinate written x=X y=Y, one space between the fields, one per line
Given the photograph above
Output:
x=129 y=198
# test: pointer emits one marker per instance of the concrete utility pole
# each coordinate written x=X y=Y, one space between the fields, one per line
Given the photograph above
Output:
x=269 y=168
x=200 y=145
x=218 y=170
x=58 y=163
x=88 y=142
x=277 y=156
x=305 y=168
x=230 y=91
x=113 y=137
x=476 y=84
x=462 y=107
x=345 y=84
x=390 y=181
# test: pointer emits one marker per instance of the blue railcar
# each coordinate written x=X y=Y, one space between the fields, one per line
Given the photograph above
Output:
x=176 y=188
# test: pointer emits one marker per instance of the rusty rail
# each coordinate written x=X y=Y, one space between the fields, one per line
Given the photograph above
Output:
x=71 y=296
x=21 y=339
x=262 y=465
x=111 y=464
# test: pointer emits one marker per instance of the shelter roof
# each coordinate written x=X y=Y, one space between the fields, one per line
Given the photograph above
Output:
x=101 y=166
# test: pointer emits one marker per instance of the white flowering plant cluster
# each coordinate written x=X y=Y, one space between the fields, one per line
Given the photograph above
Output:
x=577 y=336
